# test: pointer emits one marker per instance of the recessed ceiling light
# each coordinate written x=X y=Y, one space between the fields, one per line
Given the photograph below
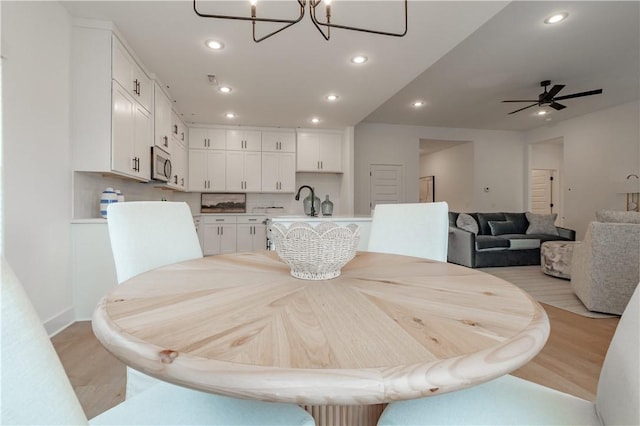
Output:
x=230 y=115
x=556 y=17
x=214 y=44
x=359 y=59
x=332 y=97
x=541 y=112
x=315 y=120
x=225 y=89
x=418 y=104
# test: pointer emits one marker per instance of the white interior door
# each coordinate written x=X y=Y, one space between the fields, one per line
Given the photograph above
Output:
x=542 y=191
x=386 y=184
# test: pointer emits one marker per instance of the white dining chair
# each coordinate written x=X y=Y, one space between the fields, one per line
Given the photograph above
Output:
x=513 y=401
x=411 y=229
x=37 y=391
x=149 y=234
x=146 y=235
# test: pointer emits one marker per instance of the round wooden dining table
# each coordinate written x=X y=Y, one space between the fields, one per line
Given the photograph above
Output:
x=388 y=328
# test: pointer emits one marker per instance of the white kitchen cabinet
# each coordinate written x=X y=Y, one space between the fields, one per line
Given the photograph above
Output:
x=130 y=76
x=178 y=129
x=162 y=119
x=251 y=233
x=93 y=271
x=278 y=141
x=131 y=132
x=219 y=234
x=243 y=171
x=319 y=152
x=112 y=131
x=244 y=140
x=179 y=154
x=278 y=172
x=179 y=167
x=207 y=170
x=206 y=138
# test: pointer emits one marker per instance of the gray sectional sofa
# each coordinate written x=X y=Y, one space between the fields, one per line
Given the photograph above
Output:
x=501 y=238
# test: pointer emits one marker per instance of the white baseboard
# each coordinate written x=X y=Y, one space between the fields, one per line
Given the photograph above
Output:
x=59 y=322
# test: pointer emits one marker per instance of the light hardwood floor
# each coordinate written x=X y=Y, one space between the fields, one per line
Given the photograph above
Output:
x=570 y=361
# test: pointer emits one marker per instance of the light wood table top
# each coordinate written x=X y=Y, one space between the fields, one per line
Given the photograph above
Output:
x=389 y=328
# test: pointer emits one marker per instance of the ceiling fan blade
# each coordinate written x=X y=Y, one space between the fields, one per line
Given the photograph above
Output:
x=523 y=100
x=551 y=93
x=557 y=106
x=518 y=110
x=578 y=95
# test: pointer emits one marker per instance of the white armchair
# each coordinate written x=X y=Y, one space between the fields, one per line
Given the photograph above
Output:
x=605 y=266
x=36 y=390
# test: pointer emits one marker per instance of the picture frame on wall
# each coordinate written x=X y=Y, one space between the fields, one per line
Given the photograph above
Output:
x=427 y=189
x=223 y=203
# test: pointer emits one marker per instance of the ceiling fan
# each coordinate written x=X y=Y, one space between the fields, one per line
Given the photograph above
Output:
x=549 y=98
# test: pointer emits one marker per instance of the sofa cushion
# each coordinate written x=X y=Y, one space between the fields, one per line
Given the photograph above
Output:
x=467 y=222
x=488 y=242
x=541 y=223
x=483 y=221
x=502 y=227
x=614 y=216
x=520 y=220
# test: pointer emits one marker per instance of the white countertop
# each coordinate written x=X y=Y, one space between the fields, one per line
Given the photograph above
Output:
x=302 y=218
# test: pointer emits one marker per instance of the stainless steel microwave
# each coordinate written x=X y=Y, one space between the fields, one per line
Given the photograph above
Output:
x=160 y=164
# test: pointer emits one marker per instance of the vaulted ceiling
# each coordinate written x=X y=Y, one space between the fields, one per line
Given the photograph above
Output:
x=460 y=58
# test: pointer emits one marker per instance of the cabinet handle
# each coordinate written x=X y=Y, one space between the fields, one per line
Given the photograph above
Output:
x=321 y=165
x=182 y=136
x=175 y=129
x=221 y=230
x=139 y=91
x=165 y=141
x=181 y=181
x=135 y=86
x=175 y=179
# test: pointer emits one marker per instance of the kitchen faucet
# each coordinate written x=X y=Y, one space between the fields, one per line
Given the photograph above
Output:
x=313 y=198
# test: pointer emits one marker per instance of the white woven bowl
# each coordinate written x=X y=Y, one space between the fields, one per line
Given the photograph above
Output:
x=316 y=253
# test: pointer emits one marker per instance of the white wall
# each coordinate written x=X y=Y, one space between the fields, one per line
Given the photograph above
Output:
x=498 y=158
x=453 y=172
x=37 y=181
x=600 y=150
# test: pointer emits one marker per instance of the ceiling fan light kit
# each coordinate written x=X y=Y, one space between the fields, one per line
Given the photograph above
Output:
x=323 y=27
x=549 y=97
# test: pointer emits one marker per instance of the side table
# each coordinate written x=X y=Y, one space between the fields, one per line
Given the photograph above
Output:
x=555 y=258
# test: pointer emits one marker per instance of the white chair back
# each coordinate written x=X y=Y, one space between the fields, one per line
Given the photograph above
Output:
x=35 y=387
x=618 y=396
x=149 y=234
x=414 y=229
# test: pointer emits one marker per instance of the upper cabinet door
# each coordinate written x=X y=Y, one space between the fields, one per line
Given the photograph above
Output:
x=128 y=73
x=278 y=141
x=244 y=140
x=319 y=152
x=205 y=138
x=162 y=120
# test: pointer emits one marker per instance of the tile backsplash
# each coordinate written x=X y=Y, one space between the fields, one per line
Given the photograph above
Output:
x=87 y=188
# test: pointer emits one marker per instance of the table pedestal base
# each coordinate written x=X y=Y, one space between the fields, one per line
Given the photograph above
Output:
x=345 y=415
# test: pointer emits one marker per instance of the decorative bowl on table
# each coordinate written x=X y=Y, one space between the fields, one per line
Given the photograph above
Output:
x=316 y=253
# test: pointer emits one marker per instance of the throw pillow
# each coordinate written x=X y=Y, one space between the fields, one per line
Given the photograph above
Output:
x=542 y=223
x=502 y=227
x=519 y=220
x=467 y=223
x=614 y=216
